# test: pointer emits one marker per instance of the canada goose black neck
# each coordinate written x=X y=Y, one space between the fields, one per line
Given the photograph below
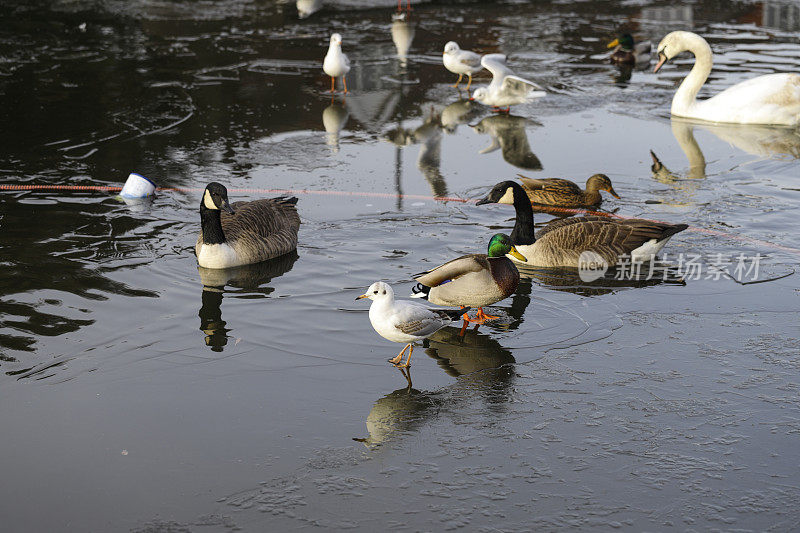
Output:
x=211 y=224
x=523 y=232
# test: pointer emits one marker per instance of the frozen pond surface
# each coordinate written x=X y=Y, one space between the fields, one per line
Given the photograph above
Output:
x=133 y=399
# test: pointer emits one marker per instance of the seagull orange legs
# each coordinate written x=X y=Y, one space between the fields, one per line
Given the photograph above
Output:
x=459 y=80
x=344 y=80
x=396 y=360
x=470 y=81
x=333 y=84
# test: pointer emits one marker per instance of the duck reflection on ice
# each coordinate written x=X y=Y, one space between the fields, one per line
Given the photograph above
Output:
x=509 y=135
x=250 y=278
x=471 y=352
x=334 y=118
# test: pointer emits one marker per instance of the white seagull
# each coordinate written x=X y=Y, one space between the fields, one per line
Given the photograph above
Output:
x=461 y=62
x=506 y=89
x=404 y=321
x=336 y=64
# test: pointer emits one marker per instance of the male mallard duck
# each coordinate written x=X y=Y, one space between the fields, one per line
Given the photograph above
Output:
x=246 y=232
x=564 y=193
x=472 y=280
x=627 y=52
x=561 y=243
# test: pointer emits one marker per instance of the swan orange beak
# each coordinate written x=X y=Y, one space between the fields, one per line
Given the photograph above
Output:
x=661 y=60
x=613 y=43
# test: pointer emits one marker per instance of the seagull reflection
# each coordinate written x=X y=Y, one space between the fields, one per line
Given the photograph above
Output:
x=402 y=36
x=459 y=112
x=334 y=118
x=429 y=136
x=509 y=135
x=306 y=8
x=247 y=277
x=396 y=413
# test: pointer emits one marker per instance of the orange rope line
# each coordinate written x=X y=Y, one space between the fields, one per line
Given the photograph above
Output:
x=112 y=188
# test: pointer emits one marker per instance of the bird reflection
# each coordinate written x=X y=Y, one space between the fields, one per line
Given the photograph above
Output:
x=402 y=35
x=569 y=280
x=306 y=8
x=509 y=135
x=459 y=112
x=464 y=354
x=334 y=118
x=396 y=413
x=247 y=277
x=429 y=136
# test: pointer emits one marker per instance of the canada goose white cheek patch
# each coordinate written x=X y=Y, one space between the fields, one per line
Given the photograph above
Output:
x=208 y=201
x=508 y=197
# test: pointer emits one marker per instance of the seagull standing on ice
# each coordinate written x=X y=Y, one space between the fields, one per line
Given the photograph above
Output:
x=336 y=64
x=404 y=321
x=506 y=89
x=461 y=62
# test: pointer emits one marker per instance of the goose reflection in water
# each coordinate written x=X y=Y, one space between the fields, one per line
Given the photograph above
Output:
x=569 y=279
x=508 y=134
x=250 y=278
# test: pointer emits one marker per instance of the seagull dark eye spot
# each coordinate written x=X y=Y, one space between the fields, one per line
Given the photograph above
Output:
x=375 y=292
x=384 y=292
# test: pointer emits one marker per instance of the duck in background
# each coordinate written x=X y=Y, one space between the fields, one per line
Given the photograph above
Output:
x=628 y=52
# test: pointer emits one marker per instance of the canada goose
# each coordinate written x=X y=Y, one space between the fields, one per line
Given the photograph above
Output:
x=404 y=321
x=767 y=99
x=506 y=89
x=336 y=63
x=473 y=280
x=561 y=243
x=628 y=52
x=461 y=62
x=564 y=193
x=245 y=232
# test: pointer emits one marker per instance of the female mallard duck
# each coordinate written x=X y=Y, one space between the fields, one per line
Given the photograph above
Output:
x=767 y=99
x=564 y=193
x=628 y=52
x=473 y=280
x=561 y=243
x=246 y=232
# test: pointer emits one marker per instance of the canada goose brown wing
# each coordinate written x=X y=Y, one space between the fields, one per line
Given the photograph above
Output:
x=609 y=238
x=262 y=229
x=453 y=269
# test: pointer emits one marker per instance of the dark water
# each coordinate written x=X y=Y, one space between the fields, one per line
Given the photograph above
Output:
x=133 y=399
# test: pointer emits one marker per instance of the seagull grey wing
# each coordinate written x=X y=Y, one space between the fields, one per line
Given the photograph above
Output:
x=422 y=327
x=470 y=59
x=346 y=61
x=516 y=86
x=496 y=64
x=262 y=229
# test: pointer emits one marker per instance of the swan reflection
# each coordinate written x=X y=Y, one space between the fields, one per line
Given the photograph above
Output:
x=250 y=278
x=508 y=134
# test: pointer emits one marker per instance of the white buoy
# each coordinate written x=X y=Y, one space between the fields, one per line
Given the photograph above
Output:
x=137 y=186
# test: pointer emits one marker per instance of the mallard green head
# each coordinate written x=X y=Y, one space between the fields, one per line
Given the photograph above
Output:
x=500 y=245
x=624 y=41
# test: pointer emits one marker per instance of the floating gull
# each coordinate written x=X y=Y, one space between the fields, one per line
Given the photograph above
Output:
x=506 y=89
x=404 y=321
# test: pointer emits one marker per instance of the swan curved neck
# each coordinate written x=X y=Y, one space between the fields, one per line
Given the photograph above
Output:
x=685 y=96
x=211 y=224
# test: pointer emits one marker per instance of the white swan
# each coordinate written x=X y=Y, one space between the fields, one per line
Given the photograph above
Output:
x=768 y=99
